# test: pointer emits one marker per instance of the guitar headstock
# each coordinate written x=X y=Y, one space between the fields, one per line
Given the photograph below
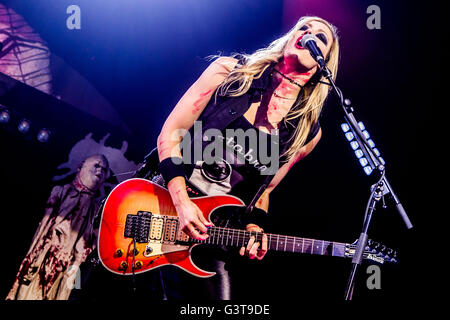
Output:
x=374 y=251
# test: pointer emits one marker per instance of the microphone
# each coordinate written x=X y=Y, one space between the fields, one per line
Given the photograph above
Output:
x=309 y=42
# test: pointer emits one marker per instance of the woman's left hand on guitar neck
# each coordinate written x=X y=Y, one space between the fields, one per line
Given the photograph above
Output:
x=253 y=248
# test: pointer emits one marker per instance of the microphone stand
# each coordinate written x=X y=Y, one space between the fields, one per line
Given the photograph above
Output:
x=378 y=190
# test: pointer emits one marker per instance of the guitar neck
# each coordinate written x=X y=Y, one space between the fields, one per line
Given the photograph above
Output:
x=238 y=238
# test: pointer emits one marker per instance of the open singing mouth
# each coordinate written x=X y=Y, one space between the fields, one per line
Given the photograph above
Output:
x=298 y=44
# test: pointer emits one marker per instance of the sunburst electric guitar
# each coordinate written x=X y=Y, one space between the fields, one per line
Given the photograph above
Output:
x=139 y=231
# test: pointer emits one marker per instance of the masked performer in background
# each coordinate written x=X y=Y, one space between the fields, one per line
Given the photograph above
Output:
x=64 y=238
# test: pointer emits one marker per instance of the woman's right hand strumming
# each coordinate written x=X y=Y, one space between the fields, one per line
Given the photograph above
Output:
x=190 y=217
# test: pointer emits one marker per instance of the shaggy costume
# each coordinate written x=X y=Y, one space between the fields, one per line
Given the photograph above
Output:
x=64 y=239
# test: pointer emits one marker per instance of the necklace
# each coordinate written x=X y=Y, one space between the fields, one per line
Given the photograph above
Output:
x=289 y=79
x=278 y=96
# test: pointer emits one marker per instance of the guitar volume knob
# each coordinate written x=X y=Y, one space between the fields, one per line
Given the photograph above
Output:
x=136 y=252
x=118 y=253
x=123 y=266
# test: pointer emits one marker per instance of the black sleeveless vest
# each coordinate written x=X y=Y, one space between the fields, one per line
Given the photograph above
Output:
x=219 y=114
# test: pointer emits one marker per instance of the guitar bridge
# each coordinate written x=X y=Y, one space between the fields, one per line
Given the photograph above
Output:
x=138 y=226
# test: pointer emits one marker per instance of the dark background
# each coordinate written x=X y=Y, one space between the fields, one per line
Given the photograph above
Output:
x=143 y=55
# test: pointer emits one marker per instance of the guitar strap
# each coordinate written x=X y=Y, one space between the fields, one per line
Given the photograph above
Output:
x=258 y=194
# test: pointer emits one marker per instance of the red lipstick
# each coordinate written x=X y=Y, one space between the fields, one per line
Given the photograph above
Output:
x=297 y=43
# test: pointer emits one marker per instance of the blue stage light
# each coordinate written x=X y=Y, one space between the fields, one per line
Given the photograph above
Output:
x=368 y=170
x=4 y=116
x=354 y=145
x=24 y=126
x=366 y=134
x=349 y=136
x=363 y=162
x=375 y=150
x=43 y=135
x=359 y=153
x=345 y=127
x=361 y=125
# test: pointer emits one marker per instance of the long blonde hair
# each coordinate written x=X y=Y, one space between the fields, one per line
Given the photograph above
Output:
x=309 y=107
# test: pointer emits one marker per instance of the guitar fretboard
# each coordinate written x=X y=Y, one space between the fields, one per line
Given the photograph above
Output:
x=238 y=238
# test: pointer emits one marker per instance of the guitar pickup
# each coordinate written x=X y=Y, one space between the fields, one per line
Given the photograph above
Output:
x=138 y=226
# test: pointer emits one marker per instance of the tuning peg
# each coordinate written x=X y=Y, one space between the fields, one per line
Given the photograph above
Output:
x=393 y=256
x=389 y=251
x=369 y=242
x=374 y=247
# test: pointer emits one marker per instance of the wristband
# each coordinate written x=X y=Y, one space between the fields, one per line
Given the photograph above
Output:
x=171 y=167
x=257 y=216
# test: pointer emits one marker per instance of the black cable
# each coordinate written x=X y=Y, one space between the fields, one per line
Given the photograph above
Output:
x=133 y=276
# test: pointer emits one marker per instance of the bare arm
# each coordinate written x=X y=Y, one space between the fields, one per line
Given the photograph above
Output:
x=263 y=201
x=191 y=104
x=182 y=117
x=302 y=153
x=252 y=249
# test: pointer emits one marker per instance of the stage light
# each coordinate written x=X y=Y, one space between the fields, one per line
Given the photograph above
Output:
x=354 y=145
x=359 y=153
x=366 y=134
x=43 y=135
x=363 y=162
x=375 y=150
x=24 y=126
x=4 y=116
x=361 y=125
x=345 y=127
x=368 y=170
x=349 y=136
